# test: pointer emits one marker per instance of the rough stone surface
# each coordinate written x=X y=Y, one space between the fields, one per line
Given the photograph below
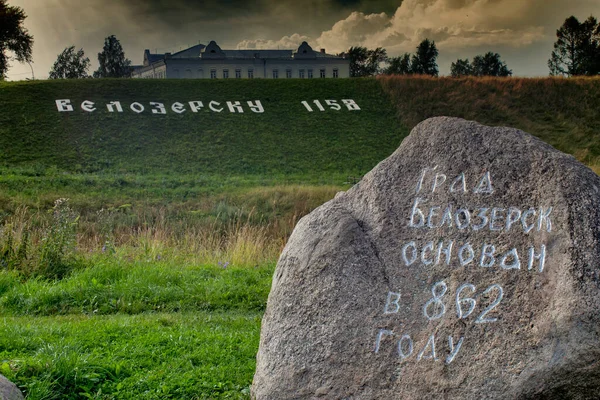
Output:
x=8 y=390
x=360 y=276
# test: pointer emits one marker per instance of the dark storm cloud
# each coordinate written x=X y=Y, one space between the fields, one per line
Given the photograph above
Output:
x=227 y=8
x=369 y=7
x=523 y=30
x=170 y=25
x=176 y=12
x=261 y=19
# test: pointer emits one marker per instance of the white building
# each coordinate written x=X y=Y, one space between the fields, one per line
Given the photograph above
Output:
x=203 y=62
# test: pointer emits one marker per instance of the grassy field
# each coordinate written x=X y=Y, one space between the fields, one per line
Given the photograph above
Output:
x=136 y=250
x=151 y=279
x=152 y=330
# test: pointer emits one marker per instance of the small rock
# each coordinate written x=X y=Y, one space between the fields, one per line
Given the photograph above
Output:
x=9 y=391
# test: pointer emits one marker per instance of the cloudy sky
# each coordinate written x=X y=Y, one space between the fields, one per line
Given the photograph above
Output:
x=522 y=31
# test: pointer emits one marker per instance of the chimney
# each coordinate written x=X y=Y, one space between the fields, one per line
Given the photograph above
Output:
x=167 y=55
x=323 y=51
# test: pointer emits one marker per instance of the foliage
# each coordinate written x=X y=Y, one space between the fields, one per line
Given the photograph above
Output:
x=577 y=48
x=14 y=37
x=488 y=64
x=424 y=61
x=59 y=241
x=399 y=65
x=366 y=62
x=113 y=63
x=52 y=253
x=70 y=65
x=15 y=242
x=461 y=68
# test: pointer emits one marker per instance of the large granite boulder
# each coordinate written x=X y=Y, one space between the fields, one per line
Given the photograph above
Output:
x=8 y=390
x=464 y=266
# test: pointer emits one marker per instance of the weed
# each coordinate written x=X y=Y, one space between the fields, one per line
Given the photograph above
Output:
x=56 y=252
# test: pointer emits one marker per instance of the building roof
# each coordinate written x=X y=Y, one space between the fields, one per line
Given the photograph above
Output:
x=256 y=53
x=304 y=51
x=152 y=58
x=191 y=52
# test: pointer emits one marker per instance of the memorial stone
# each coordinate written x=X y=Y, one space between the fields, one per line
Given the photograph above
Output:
x=464 y=266
x=8 y=390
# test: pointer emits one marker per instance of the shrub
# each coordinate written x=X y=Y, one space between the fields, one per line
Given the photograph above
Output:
x=57 y=248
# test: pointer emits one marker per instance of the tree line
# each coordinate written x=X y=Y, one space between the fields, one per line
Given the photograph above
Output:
x=365 y=62
x=71 y=64
x=576 y=52
x=16 y=44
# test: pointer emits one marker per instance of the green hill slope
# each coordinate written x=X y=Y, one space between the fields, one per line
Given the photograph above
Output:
x=562 y=112
x=283 y=139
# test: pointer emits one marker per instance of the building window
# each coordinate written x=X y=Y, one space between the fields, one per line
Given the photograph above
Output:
x=335 y=73
x=201 y=73
x=322 y=73
x=301 y=74
x=225 y=73
x=250 y=73
x=288 y=73
x=238 y=73
x=310 y=74
x=275 y=74
x=213 y=74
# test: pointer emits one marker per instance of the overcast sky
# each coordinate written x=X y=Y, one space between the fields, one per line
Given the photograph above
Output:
x=522 y=31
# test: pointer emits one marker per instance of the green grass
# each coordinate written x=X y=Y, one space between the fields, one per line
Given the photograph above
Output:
x=133 y=330
x=187 y=355
x=110 y=285
x=151 y=280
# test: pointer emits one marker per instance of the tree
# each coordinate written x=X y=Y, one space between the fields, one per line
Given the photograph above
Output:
x=70 y=65
x=358 y=60
x=399 y=65
x=14 y=37
x=376 y=58
x=490 y=64
x=577 y=48
x=113 y=63
x=365 y=62
x=424 y=61
x=461 y=68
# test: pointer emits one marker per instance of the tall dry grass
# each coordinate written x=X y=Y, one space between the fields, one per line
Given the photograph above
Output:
x=561 y=111
x=246 y=228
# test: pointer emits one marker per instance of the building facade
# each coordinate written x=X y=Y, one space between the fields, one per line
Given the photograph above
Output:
x=211 y=62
